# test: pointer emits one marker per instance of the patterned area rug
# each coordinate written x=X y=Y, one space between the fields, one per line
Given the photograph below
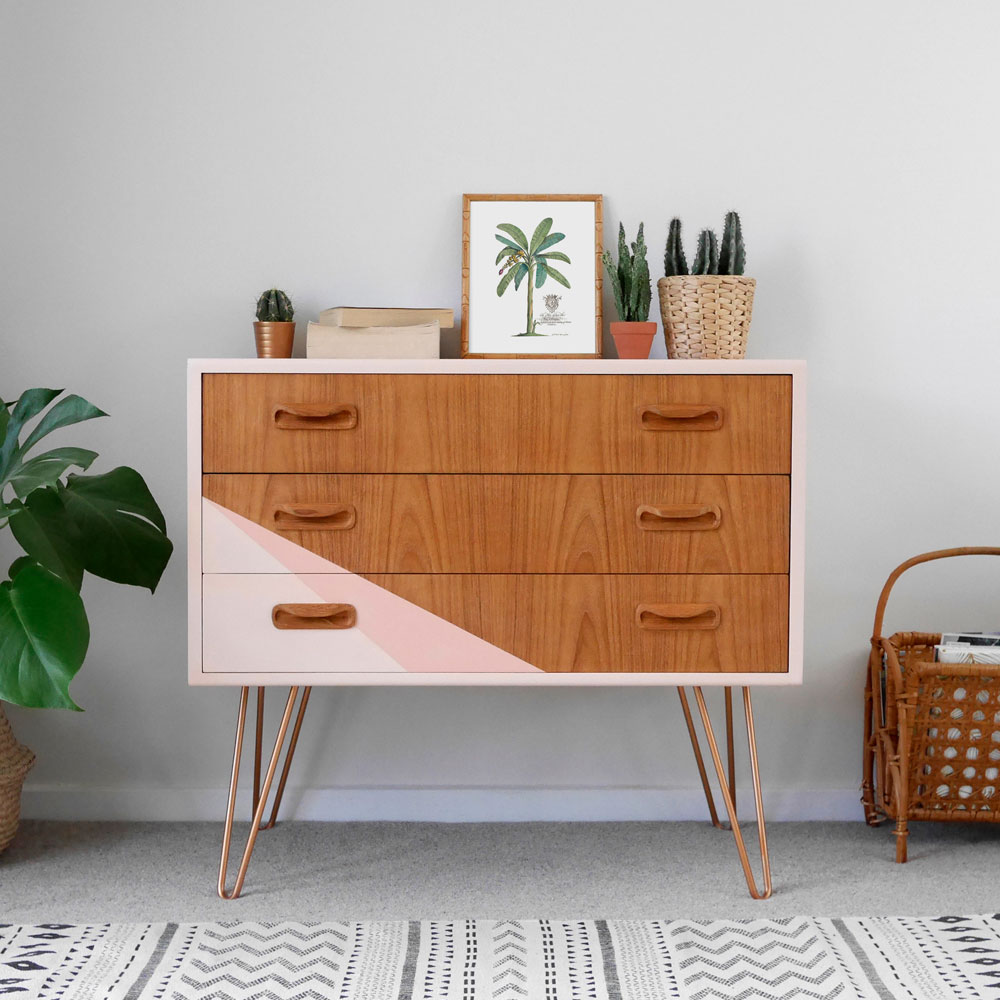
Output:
x=916 y=958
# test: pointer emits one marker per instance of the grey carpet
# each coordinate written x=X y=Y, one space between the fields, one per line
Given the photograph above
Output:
x=98 y=872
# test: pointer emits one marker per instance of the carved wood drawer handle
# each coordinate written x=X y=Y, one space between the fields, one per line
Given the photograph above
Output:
x=677 y=617
x=678 y=517
x=315 y=416
x=289 y=616
x=680 y=417
x=314 y=516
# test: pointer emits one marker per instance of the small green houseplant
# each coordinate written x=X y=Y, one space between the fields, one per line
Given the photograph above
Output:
x=706 y=310
x=631 y=285
x=67 y=524
x=274 y=330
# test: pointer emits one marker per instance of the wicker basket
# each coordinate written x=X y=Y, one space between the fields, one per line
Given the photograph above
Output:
x=932 y=730
x=706 y=315
x=15 y=762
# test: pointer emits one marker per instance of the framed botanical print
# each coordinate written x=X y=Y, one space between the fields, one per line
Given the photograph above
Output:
x=531 y=275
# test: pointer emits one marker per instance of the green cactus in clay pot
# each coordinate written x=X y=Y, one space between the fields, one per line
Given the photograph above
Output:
x=630 y=283
x=274 y=330
x=630 y=280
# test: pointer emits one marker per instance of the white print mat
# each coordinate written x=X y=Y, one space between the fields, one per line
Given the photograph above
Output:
x=918 y=958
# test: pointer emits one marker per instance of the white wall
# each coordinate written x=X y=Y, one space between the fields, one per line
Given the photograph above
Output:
x=163 y=162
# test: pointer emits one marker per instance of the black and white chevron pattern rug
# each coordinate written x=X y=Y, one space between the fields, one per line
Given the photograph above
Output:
x=918 y=958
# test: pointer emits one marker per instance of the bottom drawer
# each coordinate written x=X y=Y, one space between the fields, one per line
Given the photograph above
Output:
x=463 y=623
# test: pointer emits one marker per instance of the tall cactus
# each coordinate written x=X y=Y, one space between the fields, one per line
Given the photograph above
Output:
x=616 y=285
x=630 y=279
x=625 y=275
x=641 y=294
x=274 y=306
x=732 y=253
x=674 y=261
x=706 y=259
x=712 y=257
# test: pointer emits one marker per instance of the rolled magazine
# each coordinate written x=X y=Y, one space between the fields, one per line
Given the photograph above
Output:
x=968 y=647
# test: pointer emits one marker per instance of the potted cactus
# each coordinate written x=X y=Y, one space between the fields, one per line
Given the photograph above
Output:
x=274 y=330
x=631 y=284
x=706 y=311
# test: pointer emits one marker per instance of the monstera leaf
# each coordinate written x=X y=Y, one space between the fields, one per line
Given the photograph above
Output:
x=108 y=525
x=121 y=531
x=45 y=533
x=69 y=410
x=44 y=636
x=48 y=468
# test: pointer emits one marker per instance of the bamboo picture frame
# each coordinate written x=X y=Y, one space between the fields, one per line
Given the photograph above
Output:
x=485 y=343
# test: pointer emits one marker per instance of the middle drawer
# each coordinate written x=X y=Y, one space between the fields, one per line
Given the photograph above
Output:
x=519 y=523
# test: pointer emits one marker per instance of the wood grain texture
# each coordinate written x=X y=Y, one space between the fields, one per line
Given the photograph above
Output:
x=521 y=524
x=499 y=423
x=598 y=201
x=587 y=623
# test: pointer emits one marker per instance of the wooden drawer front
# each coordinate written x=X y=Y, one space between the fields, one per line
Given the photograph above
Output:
x=578 y=623
x=517 y=524
x=497 y=423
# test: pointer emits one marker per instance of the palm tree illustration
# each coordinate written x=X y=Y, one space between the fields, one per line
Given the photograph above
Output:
x=521 y=258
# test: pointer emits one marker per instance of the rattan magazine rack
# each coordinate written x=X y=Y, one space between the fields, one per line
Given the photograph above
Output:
x=932 y=730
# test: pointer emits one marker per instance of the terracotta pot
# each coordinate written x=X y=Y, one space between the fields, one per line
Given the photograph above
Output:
x=633 y=340
x=274 y=340
x=15 y=761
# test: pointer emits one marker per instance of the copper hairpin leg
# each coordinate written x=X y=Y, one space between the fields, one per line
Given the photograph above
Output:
x=292 y=744
x=257 y=747
x=700 y=761
x=260 y=793
x=728 y=787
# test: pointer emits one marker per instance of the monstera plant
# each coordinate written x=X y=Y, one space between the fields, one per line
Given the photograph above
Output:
x=67 y=524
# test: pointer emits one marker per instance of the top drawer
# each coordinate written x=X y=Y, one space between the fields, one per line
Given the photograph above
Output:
x=497 y=423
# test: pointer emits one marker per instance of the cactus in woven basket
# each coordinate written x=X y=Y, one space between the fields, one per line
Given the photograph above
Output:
x=732 y=253
x=712 y=257
x=706 y=258
x=630 y=280
x=674 y=261
x=274 y=306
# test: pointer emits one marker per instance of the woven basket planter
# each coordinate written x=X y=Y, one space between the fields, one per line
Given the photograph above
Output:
x=15 y=762
x=706 y=315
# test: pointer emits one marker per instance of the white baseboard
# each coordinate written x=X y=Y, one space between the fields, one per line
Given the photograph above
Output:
x=442 y=805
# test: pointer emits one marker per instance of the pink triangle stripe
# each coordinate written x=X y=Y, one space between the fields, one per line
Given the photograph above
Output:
x=418 y=640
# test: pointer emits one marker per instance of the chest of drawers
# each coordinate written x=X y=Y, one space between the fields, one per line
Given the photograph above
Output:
x=496 y=522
